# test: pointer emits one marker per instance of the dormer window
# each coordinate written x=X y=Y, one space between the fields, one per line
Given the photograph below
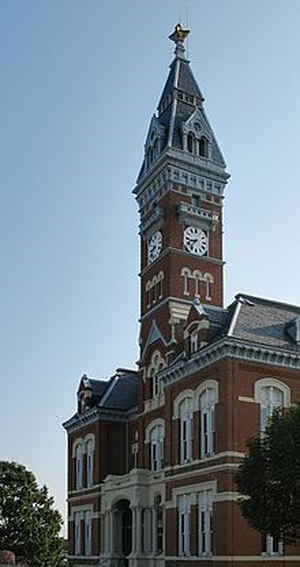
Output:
x=194 y=342
x=190 y=143
x=203 y=147
x=153 y=149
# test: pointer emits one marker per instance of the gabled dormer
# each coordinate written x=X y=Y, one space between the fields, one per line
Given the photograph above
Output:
x=199 y=140
x=196 y=330
x=155 y=142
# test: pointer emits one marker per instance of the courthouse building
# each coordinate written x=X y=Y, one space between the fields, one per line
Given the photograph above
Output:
x=152 y=452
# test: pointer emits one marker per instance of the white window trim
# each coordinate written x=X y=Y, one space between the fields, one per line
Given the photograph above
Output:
x=89 y=462
x=79 y=466
x=184 y=512
x=208 y=410
x=265 y=382
x=88 y=532
x=205 y=508
x=77 y=534
x=269 y=545
x=179 y=399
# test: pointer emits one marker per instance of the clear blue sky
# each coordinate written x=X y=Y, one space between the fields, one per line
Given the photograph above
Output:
x=79 y=83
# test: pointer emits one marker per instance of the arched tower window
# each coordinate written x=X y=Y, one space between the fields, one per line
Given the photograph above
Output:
x=157 y=364
x=203 y=147
x=190 y=143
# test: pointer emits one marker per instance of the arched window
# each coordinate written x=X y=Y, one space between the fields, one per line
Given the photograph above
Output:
x=79 y=468
x=89 y=463
x=271 y=399
x=186 y=273
x=203 y=147
x=208 y=280
x=157 y=448
x=270 y=393
x=207 y=402
x=186 y=420
x=190 y=143
x=157 y=364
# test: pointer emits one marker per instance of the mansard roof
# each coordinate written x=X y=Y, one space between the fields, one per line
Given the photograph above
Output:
x=118 y=392
x=264 y=321
x=122 y=394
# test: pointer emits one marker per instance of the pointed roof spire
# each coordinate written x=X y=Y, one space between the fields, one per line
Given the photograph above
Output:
x=179 y=36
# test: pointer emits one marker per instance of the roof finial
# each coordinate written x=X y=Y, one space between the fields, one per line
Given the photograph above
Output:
x=179 y=35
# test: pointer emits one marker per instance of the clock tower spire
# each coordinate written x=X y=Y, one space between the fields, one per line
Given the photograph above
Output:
x=179 y=191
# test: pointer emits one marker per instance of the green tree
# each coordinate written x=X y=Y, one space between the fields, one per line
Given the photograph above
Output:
x=29 y=525
x=269 y=478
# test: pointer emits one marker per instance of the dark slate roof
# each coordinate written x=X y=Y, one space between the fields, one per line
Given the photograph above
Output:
x=257 y=321
x=98 y=386
x=169 y=83
x=264 y=321
x=123 y=394
x=186 y=80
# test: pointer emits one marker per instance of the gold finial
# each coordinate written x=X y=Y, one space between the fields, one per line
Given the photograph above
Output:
x=179 y=34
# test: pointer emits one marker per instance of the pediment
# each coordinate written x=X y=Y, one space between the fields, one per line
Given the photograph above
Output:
x=197 y=124
x=154 y=335
x=293 y=330
x=155 y=131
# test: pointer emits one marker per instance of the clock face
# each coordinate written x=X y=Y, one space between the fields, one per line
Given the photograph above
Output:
x=154 y=246
x=195 y=240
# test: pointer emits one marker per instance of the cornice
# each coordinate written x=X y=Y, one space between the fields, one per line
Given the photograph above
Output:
x=81 y=420
x=229 y=347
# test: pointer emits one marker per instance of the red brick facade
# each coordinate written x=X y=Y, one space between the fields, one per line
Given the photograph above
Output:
x=152 y=455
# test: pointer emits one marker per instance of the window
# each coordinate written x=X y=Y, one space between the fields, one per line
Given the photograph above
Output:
x=196 y=200
x=87 y=532
x=271 y=545
x=194 y=342
x=208 y=399
x=89 y=463
x=186 y=419
x=157 y=364
x=190 y=143
x=154 y=289
x=79 y=466
x=184 y=531
x=157 y=447
x=203 y=147
x=205 y=522
x=159 y=522
x=77 y=533
x=271 y=398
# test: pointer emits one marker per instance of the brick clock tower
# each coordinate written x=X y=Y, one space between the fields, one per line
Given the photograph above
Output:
x=179 y=191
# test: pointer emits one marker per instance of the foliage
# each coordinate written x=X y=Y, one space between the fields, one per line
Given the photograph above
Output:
x=269 y=477
x=29 y=526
